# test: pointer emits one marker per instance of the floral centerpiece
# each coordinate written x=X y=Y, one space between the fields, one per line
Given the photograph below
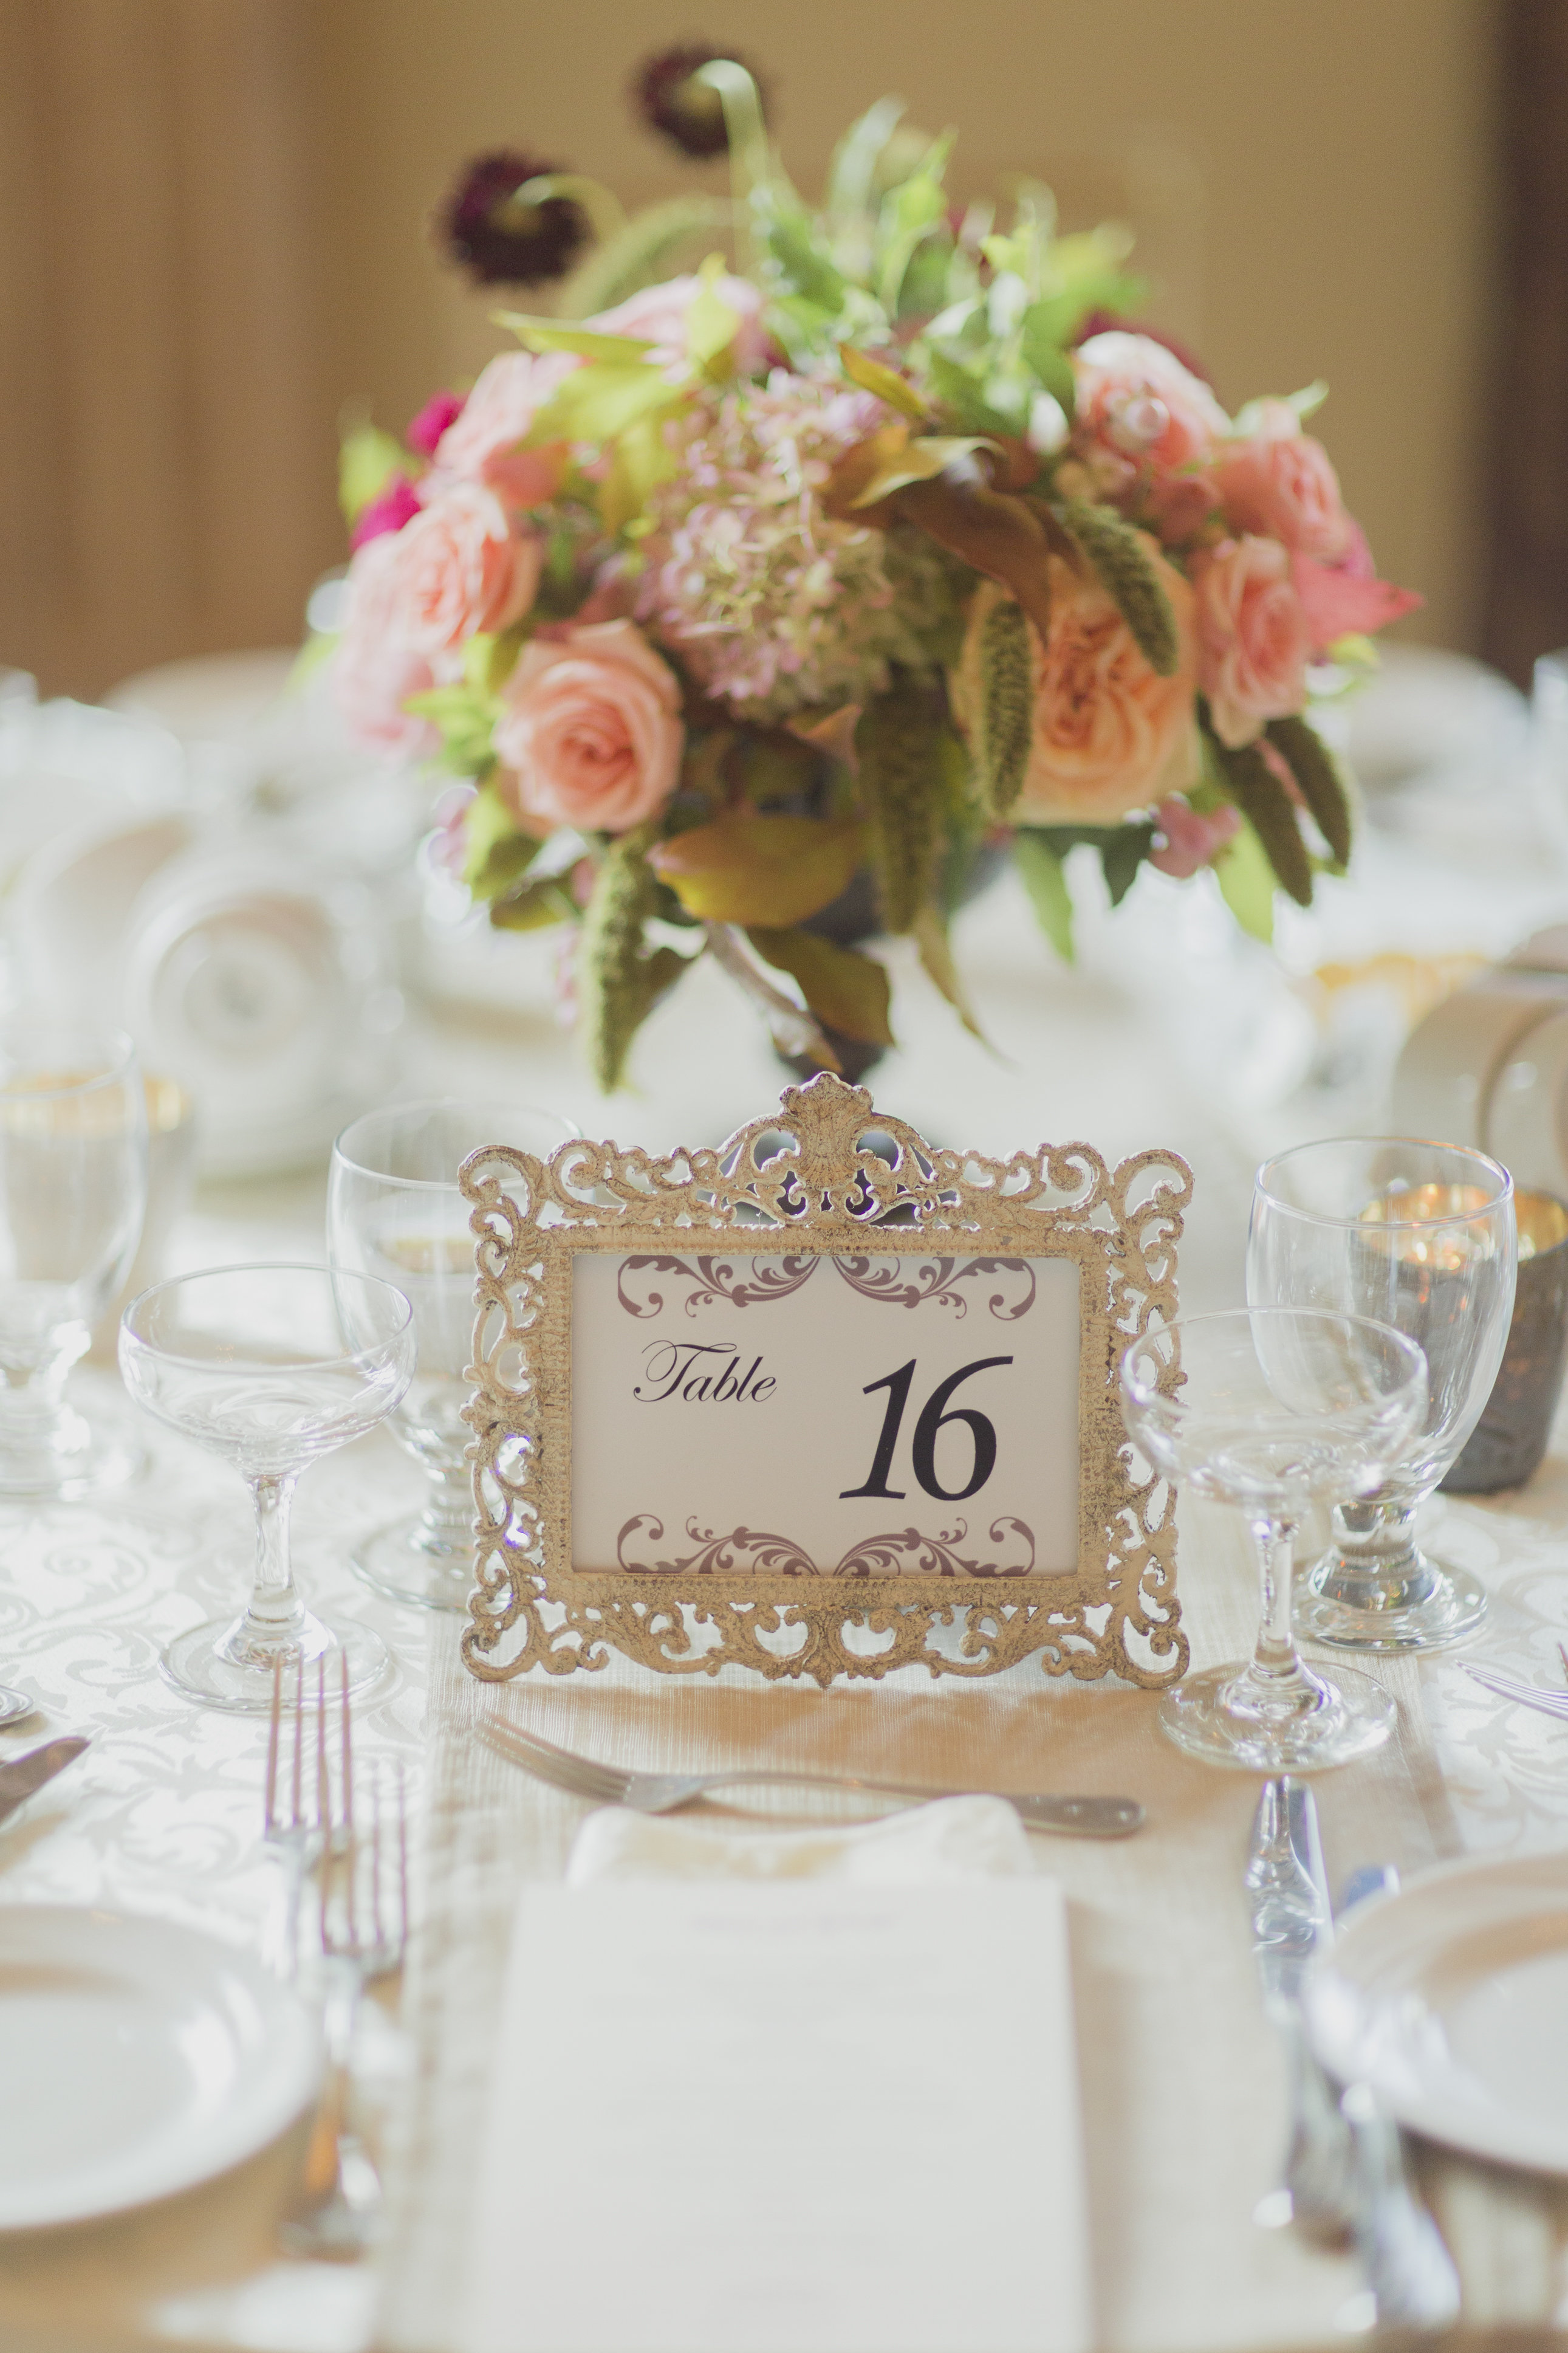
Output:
x=731 y=589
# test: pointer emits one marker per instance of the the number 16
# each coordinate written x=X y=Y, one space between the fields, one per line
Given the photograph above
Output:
x=935 y=1415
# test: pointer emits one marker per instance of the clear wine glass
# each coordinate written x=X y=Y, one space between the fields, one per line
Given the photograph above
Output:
x=73 y=1190
x=1420 y=1236
x=1271 y=1409
x=393 y=1210
x=270 y=1368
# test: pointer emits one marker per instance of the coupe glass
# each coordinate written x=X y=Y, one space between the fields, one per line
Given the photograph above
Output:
x=1420 y=1236
x=1271 y=1409
x=268 y=1367
x=393 y=1210
x=73 y=1187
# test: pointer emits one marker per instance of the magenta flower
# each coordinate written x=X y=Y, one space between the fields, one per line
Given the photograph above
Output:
x=443 y=408
x=389 y=510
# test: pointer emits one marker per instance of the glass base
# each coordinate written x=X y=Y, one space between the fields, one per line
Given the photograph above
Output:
x=400 y=1562
x=198 y=1665
x=1427 y=1607
x=1354 y=1716
x=14 y=1705
x=100 y=1451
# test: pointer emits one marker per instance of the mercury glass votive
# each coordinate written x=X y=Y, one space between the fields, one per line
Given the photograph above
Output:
x=1506 y=1446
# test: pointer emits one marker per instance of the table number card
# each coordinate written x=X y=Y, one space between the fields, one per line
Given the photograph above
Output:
x=827 y=1400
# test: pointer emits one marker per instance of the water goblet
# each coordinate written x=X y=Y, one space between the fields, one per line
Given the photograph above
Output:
x=1271 y=1409
x=269 y=1367
x=1420 y=1236
x=73 y=1190
x=395 y=1209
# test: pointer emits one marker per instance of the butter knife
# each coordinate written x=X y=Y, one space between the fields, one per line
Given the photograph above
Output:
x=20 y=1777
x=1292 y=1921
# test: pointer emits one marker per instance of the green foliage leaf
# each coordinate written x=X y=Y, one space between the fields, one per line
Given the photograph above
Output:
x=800 y=257
x=845 y=990
x=852 y=177
x=937 y=961
x=1041 y=872
x=1247 y=882
x=1122 y=849
x=534 y=906
x=654 y=245
x=495 y=854
x=770 y=870
x=367 y=460
x=548 y=336
x=464 y=715
x=962 y=389
x=601 y=400
x=885 y=382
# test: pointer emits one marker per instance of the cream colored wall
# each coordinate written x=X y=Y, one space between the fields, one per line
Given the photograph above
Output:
x=1312 y=177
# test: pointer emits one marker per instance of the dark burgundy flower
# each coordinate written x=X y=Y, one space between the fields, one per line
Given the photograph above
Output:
x=501 y=242
x=686 y=111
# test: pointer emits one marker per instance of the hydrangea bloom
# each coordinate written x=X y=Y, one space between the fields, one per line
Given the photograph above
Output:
x=774 y=606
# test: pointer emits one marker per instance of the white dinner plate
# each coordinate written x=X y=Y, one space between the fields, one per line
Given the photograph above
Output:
x=1450 y=1998
x=137 y=2058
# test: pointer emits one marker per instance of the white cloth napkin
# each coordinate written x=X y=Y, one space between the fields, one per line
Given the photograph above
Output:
x=952 y=1838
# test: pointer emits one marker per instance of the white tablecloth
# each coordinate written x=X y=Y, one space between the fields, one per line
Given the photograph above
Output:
x=164 y=1812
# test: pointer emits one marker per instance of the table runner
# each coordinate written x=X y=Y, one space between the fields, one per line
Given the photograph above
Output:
x=1182 y=2081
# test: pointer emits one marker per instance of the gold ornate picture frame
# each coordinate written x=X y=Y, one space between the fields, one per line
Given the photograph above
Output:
x=903 y=1223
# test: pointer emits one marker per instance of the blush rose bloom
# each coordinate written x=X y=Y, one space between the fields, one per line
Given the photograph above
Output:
x=483 y=443
x=1254 y=637
x=1280 y=483
x=1191 y=839
x=590 y=733
x=461 y=567
x=658 y=315
x=375 y=667
x=1111 y=734
x=1136 y=397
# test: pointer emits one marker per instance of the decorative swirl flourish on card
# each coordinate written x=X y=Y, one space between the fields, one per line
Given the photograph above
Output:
x=826 y=1175
x=903 y=1552
x=901 y=1283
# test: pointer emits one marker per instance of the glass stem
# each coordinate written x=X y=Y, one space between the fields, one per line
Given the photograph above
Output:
x=276 y=1613
x=446 y=1523
x=1275 y=1681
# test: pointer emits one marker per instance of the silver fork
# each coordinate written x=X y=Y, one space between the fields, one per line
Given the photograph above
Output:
x=364 y=1925
x=1550 y=1703
x=662 y=1793
x=293 y=1828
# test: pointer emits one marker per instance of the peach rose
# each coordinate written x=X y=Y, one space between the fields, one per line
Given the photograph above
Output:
x=375 y=667
x=658 y=315
x=590 y=730
x=1137 y=397
x=1111 y=734
x=484 y=442
x=1280 y=482
x=459 y=567
x=1252 y=635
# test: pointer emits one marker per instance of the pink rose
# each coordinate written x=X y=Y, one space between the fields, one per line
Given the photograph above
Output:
x=590 y=730
x=1253 y=636
x=1191 y=839
x=375 y=667
x=1111 y=734
x=1137 y=397
x=1347 y=598
x=483 y=444
x=389 y=510
x=459 y=567
x=657 y=314
x=1280 y=483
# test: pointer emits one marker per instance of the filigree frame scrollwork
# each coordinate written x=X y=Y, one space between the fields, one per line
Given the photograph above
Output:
x=825 y=1174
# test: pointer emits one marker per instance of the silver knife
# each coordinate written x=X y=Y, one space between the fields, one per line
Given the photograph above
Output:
x=21 y=1776
x=1292 y=1921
